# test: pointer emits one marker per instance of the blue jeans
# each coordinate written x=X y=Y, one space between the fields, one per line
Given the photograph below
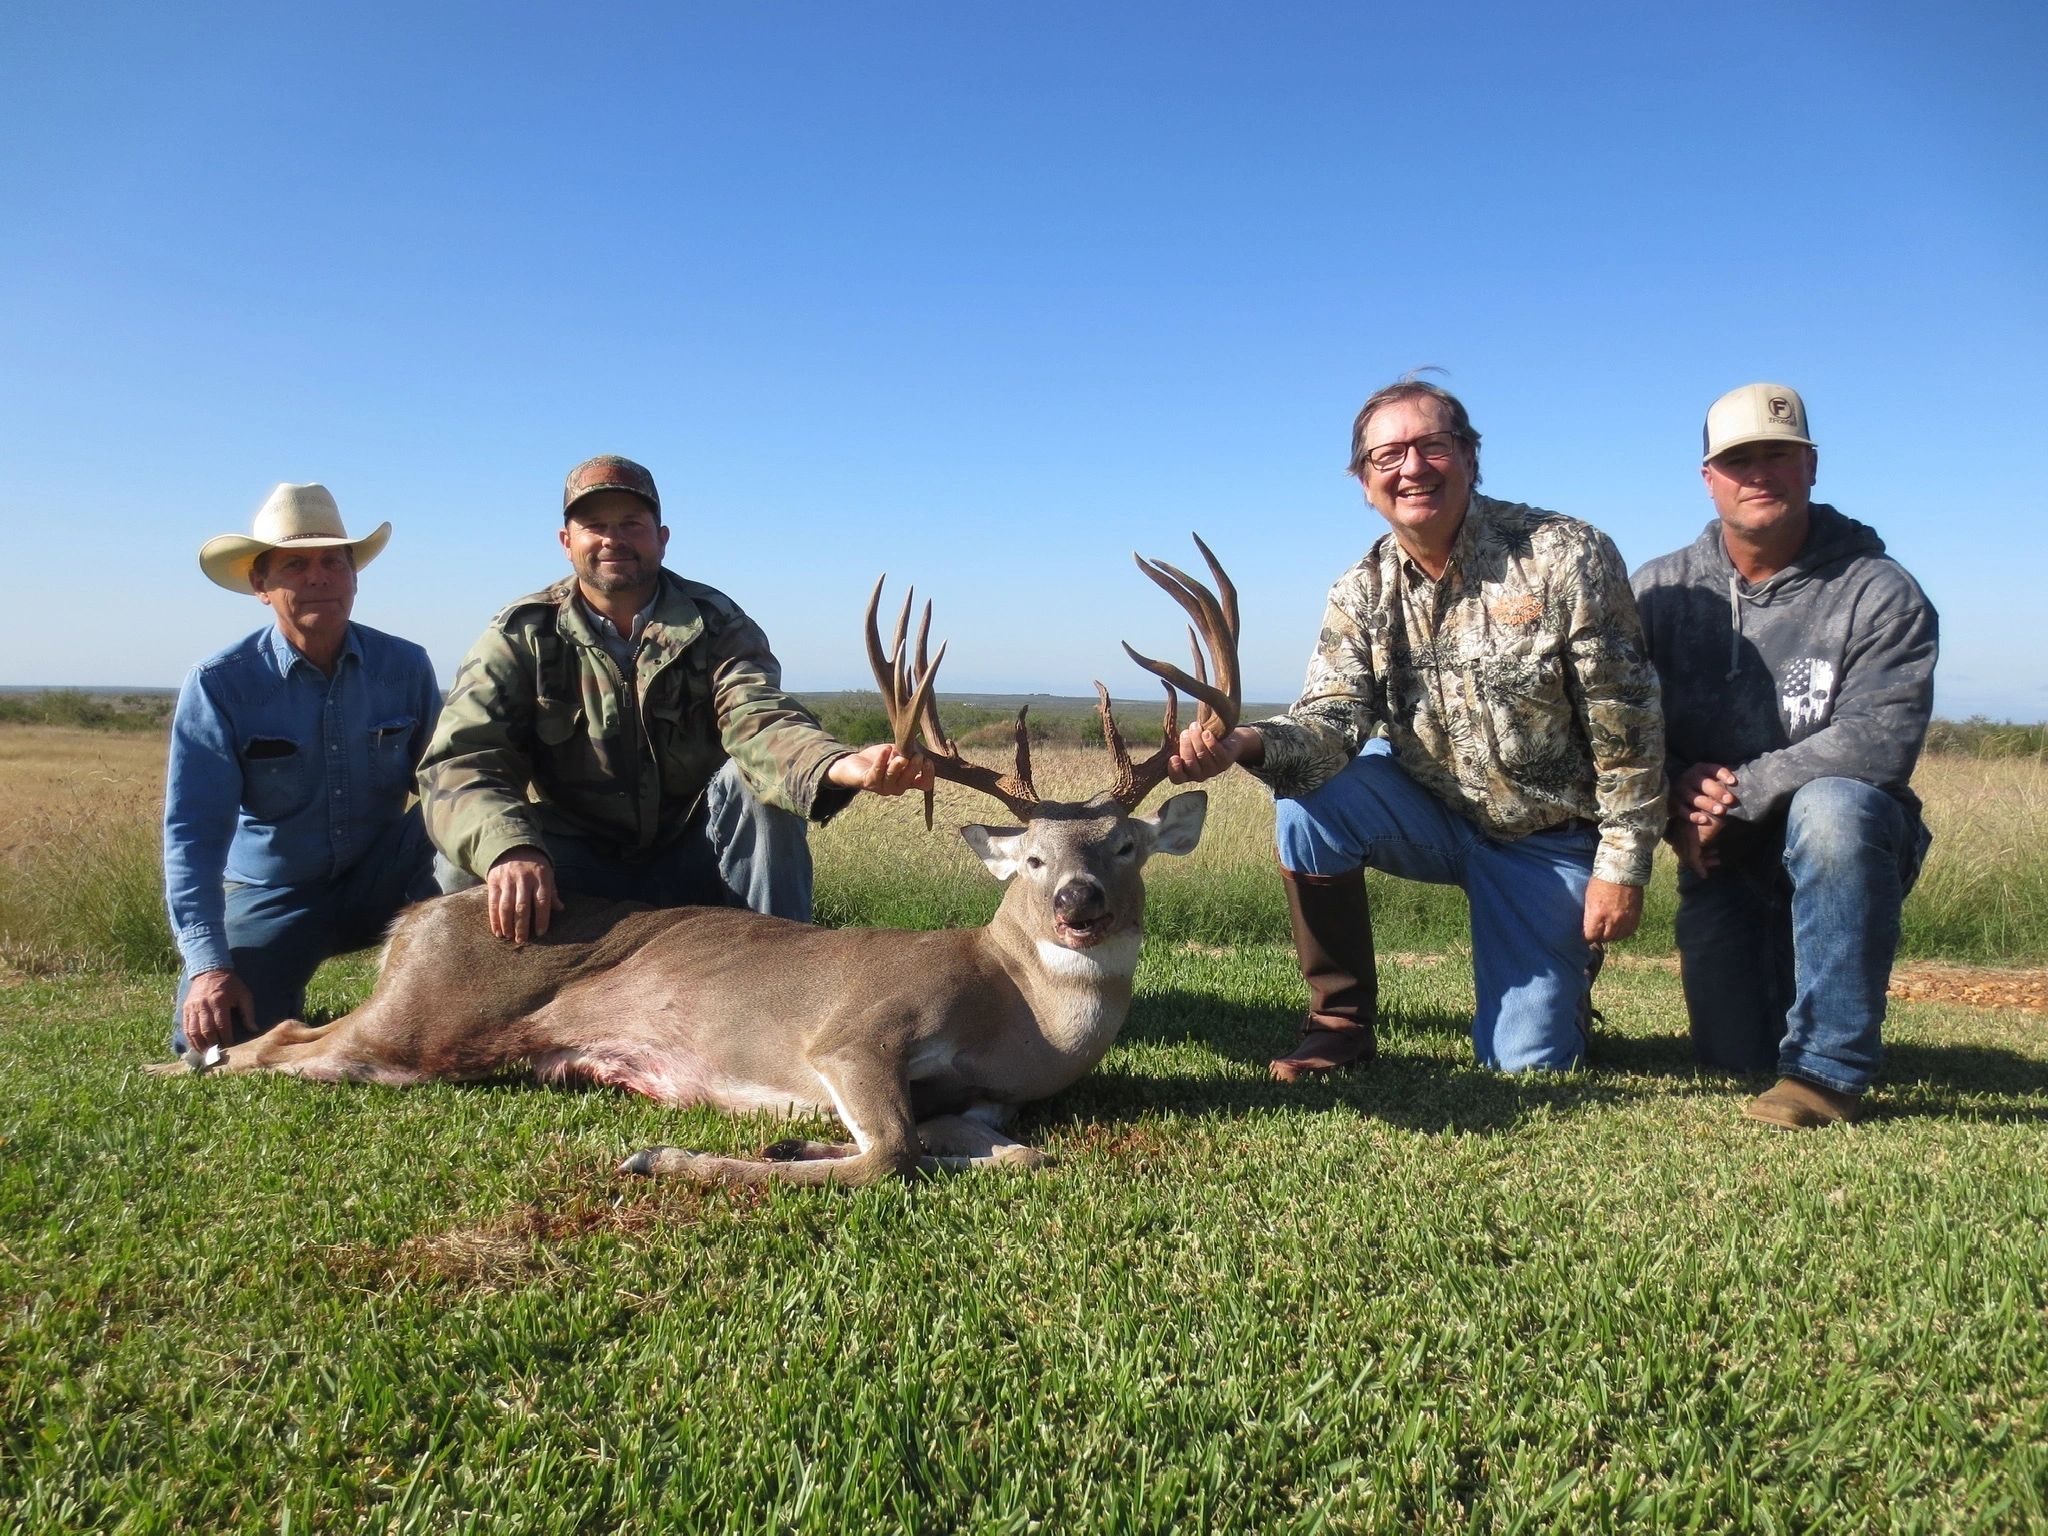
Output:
x=1527 y=898
x=1786 y=949
x=736 y=852
x=279 y=934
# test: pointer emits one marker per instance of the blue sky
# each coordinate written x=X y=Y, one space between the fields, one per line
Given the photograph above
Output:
x=988 y=295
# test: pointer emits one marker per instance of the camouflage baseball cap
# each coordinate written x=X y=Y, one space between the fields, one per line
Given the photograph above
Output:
x=609 y=472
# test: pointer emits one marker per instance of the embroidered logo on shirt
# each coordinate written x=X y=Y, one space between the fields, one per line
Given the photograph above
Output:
x=1808 y=693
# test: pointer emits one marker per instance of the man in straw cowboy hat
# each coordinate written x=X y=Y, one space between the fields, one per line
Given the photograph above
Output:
x=287 y=837
x=624 y=733
x=1797 y=664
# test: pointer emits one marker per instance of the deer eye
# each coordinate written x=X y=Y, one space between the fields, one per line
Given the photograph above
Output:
x=1033 y=861
x=1130 y=847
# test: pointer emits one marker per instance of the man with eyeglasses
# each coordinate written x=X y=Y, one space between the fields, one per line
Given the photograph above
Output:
x=1488 y=660
x=1797 y=663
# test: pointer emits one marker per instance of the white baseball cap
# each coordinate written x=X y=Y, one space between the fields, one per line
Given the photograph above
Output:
x=1755 y=413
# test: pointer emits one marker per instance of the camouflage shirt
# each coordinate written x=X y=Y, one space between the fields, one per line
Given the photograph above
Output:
x=1515 y=689
x=545 y=731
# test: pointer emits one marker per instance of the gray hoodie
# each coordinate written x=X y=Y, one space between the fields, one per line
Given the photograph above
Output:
x=1825 y=670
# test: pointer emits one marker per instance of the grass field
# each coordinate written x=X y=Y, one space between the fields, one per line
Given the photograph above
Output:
x=1420 y=1298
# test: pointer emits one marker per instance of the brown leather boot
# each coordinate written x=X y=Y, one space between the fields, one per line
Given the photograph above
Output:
x=1333 y=941
x=1793 y=1104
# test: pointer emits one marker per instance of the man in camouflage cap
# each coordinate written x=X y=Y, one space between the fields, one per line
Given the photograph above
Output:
x=1488 y=659
x=624 y=733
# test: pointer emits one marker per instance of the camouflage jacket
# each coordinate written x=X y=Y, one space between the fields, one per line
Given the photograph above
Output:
x=1517 y=689
x=542 y=731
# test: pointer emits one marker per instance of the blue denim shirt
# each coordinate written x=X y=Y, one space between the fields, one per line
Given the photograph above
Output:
x=281 y=776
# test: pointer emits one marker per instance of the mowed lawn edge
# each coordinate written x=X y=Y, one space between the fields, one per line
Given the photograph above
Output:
x=1422 y=1297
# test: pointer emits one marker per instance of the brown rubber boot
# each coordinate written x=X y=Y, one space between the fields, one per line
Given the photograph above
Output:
x=1333 y=941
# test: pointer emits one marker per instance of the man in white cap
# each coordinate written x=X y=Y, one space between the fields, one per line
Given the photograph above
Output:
x=287 y=837
x=1796 y=661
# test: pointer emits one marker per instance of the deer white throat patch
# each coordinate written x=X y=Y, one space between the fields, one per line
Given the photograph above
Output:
x=1112 y=957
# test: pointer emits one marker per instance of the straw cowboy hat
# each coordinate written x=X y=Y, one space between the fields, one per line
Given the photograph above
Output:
x=304 y=515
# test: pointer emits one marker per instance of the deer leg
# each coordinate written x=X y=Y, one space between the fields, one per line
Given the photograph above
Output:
x=301 y=1050
x=955 y=1143
x=874 y=1105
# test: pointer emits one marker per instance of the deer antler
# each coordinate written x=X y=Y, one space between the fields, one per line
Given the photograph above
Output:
x=1220 y=703
x=907 y=700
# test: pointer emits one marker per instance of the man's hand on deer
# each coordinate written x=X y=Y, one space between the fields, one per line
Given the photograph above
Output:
x=881 y=770
x=211 y=1005
x=523 y=895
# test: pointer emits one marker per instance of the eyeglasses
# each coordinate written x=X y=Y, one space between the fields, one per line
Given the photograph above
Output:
x=1437 y=448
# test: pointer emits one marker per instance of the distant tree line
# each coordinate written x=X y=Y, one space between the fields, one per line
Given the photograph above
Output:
x=858 y=717
x=1050 y=722
x=91 y=711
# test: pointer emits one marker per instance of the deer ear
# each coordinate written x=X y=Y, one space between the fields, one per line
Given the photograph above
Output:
x=997 y=849
x=1178 y=826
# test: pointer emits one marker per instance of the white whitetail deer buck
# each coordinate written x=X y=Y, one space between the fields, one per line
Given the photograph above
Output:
x=922 y=1043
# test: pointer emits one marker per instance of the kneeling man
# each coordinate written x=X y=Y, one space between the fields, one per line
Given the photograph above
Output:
x=287 y=834
x=624 y=734
x=1797 y=663
x=1487 y=658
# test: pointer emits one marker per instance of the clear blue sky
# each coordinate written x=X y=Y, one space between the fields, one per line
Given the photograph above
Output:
x=988 y=295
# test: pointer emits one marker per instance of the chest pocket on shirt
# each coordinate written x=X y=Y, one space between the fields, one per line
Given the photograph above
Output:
x=277 y=778
x=391 y=756
x=570 y=755
x=684 y=732
x=1520 y=684
x=1525 y=667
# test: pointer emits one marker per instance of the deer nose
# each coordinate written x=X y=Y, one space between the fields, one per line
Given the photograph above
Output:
x=1078 y=899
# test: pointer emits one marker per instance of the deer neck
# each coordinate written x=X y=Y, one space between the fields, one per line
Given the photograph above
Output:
x=1078 y=996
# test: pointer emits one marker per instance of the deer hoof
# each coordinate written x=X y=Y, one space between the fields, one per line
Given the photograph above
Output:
x=1021 y=1156
x=660 y=1160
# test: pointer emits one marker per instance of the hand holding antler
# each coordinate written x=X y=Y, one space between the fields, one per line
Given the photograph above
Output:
x=882 y=769
x=1199 y=755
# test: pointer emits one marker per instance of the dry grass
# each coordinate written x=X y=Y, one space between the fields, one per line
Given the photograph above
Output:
x=1984 y=893
x=79 y=873
x=54 y=771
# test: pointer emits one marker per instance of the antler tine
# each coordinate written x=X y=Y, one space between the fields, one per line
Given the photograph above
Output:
x=1227 y=591
x=1127 y=783
x=904 y=720
x=886 y=668
x=1220 y=703
x=1113 y=739
x=1217 y=619
x=928 y=715
x=908 y=698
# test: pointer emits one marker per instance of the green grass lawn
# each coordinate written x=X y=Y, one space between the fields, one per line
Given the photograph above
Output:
x=1420 y=1298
